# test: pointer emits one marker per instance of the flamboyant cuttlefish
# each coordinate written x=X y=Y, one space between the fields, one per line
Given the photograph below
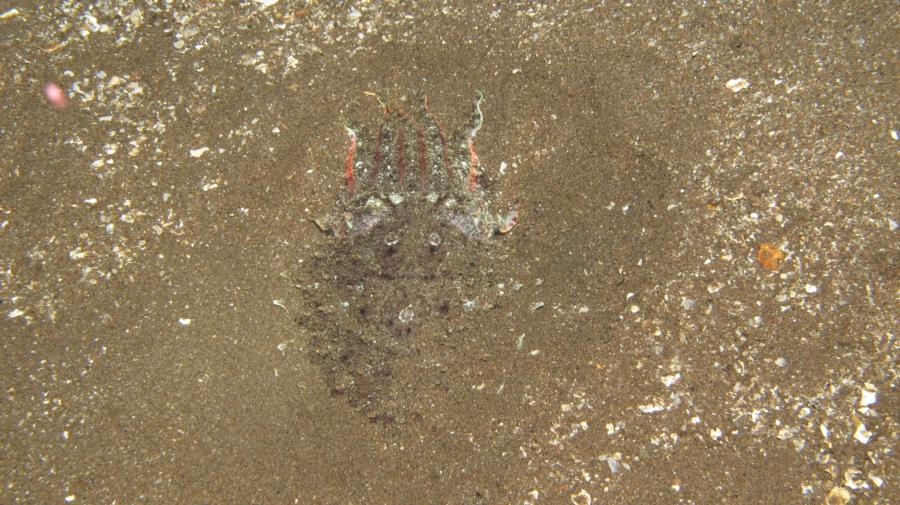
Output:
x=396 y=283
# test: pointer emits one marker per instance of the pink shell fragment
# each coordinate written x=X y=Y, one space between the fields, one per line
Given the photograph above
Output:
x=55 y=94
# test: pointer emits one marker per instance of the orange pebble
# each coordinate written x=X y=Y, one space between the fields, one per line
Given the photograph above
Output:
x=769 y=256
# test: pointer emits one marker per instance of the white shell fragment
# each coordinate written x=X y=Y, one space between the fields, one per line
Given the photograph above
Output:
x=737 y=85
x=862 y=435
x=669 y=380
x=198 y=152
x=582 y=498
x=406 y=315
x=868 y=396
x=613 y=465
x=651 y=408
x=838 y=495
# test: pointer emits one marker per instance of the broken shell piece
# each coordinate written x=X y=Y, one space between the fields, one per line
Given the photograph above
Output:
x=854 y=479
x=737 y=85
x=862 y=435
x=507 y=223
x=55 y=95
x=323 y=223
x=582 y=498
x=837 y=496
x=406 y=315
x=867 y=397
x=198 y=152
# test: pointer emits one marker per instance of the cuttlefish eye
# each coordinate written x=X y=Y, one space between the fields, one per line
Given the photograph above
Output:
x=391 y=240
x=434 y=240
